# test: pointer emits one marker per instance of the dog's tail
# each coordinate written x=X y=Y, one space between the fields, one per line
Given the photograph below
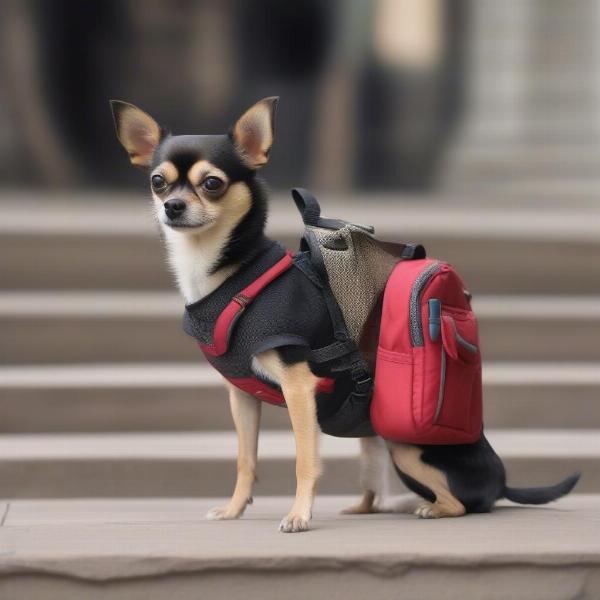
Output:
x=541 y=495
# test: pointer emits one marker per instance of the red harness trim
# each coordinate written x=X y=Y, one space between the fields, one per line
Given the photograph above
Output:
x=226 y=320
x=265 y=392
x=224 y=326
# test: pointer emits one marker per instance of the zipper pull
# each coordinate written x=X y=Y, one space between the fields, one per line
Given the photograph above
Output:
x=435 y=315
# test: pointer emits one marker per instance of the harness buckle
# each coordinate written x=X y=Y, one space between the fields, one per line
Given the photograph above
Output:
x=242 y=300
x=363 y=382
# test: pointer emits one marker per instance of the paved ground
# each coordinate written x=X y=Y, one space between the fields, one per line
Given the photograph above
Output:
x=67 y=549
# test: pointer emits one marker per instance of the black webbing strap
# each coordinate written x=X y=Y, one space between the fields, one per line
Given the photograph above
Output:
x=411 y=251
x=310 y=210
x=307 y=205
x=344 y=350
x=333 y=351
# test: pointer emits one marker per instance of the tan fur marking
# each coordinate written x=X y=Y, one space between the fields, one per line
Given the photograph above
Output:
x=168 y=170
x=298 y=385
x=245 y=411
x=201 y=169
x=408 y=459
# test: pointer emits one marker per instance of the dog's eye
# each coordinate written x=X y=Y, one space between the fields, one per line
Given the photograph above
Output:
x=212 y=184
x=158 y=182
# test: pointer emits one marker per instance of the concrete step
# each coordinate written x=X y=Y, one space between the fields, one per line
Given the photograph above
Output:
x=523 y=189
x=87 y=242
x=154 y=549
x=67 y=550
x=71 y=327
x=487 y=160
x=490 y=173
x=203 y=464
x=167 y=397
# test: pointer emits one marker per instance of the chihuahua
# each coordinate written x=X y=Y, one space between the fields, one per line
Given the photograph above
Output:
x=212 y=210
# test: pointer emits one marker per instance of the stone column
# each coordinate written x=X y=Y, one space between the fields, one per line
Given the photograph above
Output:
x=531 y=124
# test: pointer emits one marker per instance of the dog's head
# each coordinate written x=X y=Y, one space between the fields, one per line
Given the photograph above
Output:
x=199 y=181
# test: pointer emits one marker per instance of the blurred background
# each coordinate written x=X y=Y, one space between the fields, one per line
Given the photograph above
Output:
x=376 y=94
x=371 y=88
x=472 y=126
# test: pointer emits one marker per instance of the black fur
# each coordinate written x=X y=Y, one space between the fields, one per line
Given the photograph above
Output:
x=543 y=494
x=477 y=478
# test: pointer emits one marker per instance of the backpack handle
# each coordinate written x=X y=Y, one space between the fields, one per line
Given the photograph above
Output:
x=308 y=206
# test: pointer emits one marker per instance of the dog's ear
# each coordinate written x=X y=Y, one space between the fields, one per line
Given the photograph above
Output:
x=139 y=133
x=254 y=132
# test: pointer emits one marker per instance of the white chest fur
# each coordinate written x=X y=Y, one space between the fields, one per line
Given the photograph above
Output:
x=191 y=258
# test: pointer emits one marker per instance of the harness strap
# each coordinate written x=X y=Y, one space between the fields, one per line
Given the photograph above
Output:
x=231 y=313
x=332 y=351
x=344 y=350
x=308 y=206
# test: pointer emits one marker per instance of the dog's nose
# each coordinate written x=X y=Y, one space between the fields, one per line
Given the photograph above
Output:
x=174 y=208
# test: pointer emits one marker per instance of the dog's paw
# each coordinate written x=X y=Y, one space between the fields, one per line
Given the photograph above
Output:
x=359 y=509
x=294 y=523
x=426 y=511
x=223 y=513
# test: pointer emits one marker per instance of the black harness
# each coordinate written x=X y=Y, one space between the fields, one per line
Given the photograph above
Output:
x=282 y=301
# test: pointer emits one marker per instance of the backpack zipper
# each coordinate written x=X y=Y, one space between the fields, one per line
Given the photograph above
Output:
x=414 y=309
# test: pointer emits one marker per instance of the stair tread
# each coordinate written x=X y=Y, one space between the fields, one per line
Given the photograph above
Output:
x=171 y=375
x=274 y=445
x=124 y=304
x=109 y=540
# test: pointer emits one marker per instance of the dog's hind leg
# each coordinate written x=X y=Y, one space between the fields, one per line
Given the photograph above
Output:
x=374 y=476
x=407 y=459
x=245 y=411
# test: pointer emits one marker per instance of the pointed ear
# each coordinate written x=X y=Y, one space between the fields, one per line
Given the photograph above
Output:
x=254 y=132
x=139 y=133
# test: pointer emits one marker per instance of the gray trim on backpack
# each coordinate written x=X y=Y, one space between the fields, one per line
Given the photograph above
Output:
x=414 y=309
x=461 y=340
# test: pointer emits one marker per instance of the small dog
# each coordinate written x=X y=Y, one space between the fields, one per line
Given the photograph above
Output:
x=212 y=209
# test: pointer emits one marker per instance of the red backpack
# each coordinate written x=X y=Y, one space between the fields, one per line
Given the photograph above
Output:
x=427 y=387
x=428 y=369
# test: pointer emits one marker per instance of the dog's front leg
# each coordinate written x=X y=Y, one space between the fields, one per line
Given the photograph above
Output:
x=299 y=385
x=246 y=416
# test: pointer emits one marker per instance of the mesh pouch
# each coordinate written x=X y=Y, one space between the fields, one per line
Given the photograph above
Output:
x=356 y=263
